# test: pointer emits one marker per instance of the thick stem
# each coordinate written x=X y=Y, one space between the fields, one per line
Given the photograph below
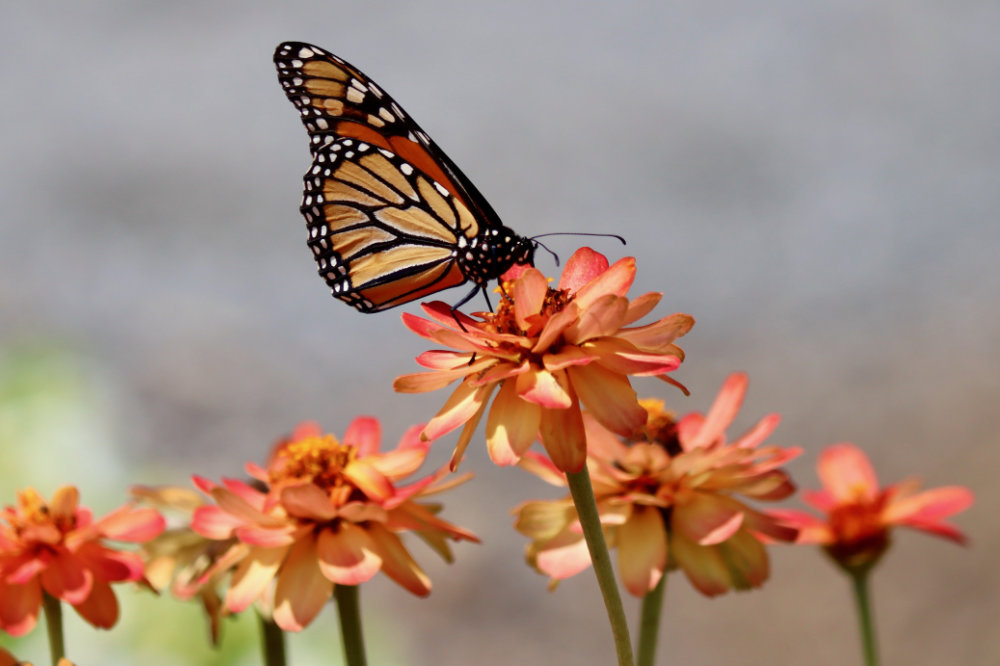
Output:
x=349 y=609
x=272 y=642
x=586 y=509
x=863 y=602
x=54 y=626
x=649 y=627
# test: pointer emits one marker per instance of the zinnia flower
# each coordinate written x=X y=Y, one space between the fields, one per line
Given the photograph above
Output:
x=859 y=515
x=667 y=497
x=328 y=513
x=544 y=352
x=181 y=559
x=58 y=548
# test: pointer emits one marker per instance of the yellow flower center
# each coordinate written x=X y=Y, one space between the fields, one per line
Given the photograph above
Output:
x=319 y=459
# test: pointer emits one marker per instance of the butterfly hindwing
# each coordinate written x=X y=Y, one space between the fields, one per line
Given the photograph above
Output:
x=382 y=233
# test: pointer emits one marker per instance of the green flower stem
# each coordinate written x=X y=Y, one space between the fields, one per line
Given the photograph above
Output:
x=649 y=627
x=863 y=601
x=272 y=642
x=349 y=609
x=54 y=626
x=586 y=509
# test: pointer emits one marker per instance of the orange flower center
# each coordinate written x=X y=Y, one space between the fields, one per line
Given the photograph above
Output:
x=660 y=427
x=33 y=511
x=319 y=459
x=504 y=320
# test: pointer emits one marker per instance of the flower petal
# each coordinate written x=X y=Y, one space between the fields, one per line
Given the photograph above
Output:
x=543 y=388
x=562 y=557
x=134 y=525
x=660 y=334
x=302 y=589
x=397 y=563
x=603 y=317
x=100 y=608
x=609 y=397
x=252 y=576
x=616 y=280
x=67 y=578
x=847 y=474
x=347 y=555
x=365 y=433
x=721 y=414
x=512 y=425
x=529 y=293
x=582 y=267
x=19 y=607
x=564 y=438
x=464 y=402
x=708 y=519
x=926 y=510
x=642 y=550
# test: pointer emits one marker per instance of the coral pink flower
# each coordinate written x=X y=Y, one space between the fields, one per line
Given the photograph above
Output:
x=668 y=498
x=327 y=513
x=859 y=515
x=544 y=352
x=58 y=549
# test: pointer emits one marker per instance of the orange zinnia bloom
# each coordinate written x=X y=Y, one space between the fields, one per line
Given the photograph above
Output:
x=545 y=351
x=58 y=548
x=327 y=513
x=667 y=496
x=859 y=515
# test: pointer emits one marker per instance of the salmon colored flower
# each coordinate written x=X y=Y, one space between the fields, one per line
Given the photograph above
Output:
x=179 y=558
x=326 y=513
x=58 y=549
x=668 y=498
x=859 y=515
x=544 y=352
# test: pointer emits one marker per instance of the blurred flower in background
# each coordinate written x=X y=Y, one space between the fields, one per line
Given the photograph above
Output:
x=859 y=515
x=57 y=548
x=323 y=513
x=669 y=495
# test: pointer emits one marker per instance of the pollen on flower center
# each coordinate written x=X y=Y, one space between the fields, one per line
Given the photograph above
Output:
x=320 y=459
x=505 y=319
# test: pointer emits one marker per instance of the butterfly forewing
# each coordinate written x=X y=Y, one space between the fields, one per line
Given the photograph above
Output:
x=390 y=217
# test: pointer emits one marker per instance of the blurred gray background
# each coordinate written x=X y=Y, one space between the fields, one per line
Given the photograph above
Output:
x=817 y=183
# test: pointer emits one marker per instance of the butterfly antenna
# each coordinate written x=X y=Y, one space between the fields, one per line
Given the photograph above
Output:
x=579 y=233
x=546 y=248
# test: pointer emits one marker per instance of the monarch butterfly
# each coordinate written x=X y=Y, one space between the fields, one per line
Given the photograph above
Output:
x=390 y=217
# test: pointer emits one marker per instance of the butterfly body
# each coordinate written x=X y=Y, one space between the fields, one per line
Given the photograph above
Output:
x=390 y=217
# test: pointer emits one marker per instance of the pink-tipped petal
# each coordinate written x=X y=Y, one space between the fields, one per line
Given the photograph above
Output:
x=365 y=433
x=708 y=519
x=582 y=267
x=564 y=556
x=347 y=555
x=543 y=388
x=721 y=414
